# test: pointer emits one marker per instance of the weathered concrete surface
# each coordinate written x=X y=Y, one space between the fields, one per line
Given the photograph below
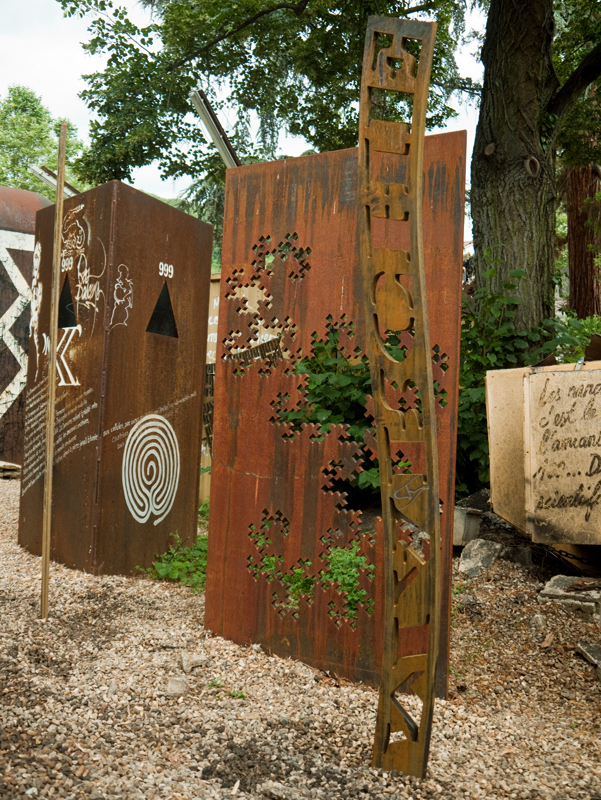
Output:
x=581 y=600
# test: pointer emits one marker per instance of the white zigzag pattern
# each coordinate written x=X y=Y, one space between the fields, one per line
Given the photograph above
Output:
x=14 y=241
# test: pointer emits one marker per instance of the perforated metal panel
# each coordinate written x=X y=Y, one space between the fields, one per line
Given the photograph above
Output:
x=277 y=517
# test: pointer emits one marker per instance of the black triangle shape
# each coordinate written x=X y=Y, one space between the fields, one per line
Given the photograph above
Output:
x=162 y=320
x=66 y=311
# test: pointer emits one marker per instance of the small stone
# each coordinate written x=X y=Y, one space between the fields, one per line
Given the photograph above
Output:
x=538 y=621
x=96 y=794
x=477 y=555
x=276 y=791
x=191 y=660
x=113 y=688
x=176 y=687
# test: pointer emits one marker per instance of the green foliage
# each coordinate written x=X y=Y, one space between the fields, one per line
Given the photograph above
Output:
x=575 y=336
x=29 y=137
x=185 y=565
x=203 y=512
x=561 y=272
x=337 y=389
x=343 y=565
x=578 y=31
x=296 y=67
x=237 y=694
x=489 y=341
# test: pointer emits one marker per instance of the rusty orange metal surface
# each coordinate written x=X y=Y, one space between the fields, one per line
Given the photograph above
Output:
x=135 y=278
x=404 y=393
x=278 y=518
x=17 y=226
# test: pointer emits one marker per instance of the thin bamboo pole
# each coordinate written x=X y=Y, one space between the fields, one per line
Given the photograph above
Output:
x=53 y=333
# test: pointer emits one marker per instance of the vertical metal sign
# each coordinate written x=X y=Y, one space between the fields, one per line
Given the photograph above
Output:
x=398 y=58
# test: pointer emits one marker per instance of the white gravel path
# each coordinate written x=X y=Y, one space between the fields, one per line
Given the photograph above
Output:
x=86 y=711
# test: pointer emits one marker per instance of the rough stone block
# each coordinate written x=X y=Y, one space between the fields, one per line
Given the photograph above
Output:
x=582 y=600
x=477 y=555
x=466 y=526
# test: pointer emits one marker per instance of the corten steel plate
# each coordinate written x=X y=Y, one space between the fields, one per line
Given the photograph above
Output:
x=130 y=360
x=395 y=297
x=17 y=227
x=291 y=229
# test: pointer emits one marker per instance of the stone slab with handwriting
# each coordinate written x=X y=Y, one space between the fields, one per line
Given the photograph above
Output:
x=563 y=456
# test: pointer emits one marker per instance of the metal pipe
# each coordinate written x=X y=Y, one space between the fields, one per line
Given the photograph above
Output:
x=205 y=111
x=49 y=178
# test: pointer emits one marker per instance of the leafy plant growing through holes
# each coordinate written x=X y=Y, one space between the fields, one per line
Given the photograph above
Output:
x=336 y=394
x=342 y=567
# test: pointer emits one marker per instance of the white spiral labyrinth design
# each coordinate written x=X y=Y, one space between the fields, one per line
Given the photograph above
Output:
x=150 y=471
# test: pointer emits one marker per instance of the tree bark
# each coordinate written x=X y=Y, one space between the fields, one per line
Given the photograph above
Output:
x=583 y=242
x=513 y=171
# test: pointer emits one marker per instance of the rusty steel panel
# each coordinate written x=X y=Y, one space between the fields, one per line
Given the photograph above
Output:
x=403 y=390
x=277 y=515
x=135 y=278
x=17 y=226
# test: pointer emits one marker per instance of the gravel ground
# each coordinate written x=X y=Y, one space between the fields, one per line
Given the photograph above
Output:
x=95 y=703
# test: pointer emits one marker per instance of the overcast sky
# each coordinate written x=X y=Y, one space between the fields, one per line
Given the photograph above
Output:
x=41 y=49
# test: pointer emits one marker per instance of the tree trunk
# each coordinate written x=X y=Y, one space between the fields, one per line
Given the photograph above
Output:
x=513 y=173
x=583 y=242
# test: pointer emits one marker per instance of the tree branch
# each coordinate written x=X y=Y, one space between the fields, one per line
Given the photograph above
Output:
x=415 y=9
x=298 y=9
x=585 y=73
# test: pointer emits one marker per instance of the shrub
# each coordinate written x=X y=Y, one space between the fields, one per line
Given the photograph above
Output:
x=489 y=341
x=185 y=565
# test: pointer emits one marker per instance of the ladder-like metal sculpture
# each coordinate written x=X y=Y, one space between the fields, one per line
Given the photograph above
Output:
x=403 y=392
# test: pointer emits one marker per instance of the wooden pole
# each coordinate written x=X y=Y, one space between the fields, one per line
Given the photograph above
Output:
x=53 y=333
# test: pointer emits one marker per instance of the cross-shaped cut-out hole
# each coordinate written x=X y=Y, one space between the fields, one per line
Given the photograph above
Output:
x=440 y=359
x=346 y=570
x=440 y=394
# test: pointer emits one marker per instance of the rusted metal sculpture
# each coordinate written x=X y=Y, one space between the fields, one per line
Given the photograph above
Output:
x=278 y=507
x=17 y=227
x=395 y=295
x=132 y=338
